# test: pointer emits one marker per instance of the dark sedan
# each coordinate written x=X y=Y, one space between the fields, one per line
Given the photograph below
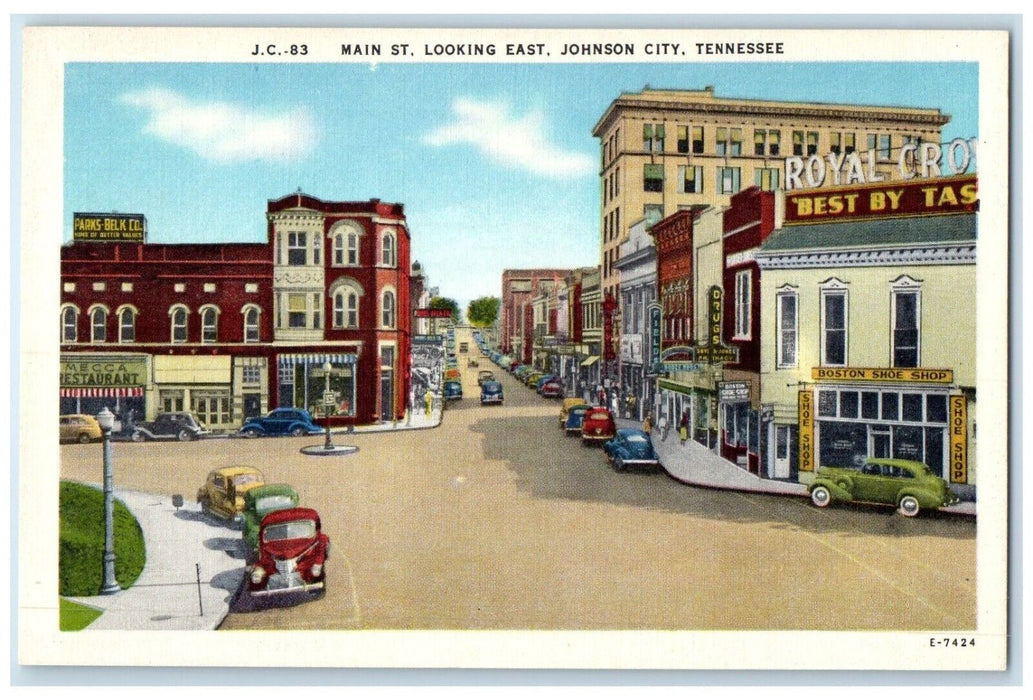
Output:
x=630 y=448
x=281 y=421
x=170 y=426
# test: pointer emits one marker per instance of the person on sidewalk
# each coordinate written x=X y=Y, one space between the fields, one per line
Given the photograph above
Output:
x=683 y=427
x=662 y=424
x=428 y=400
x=647 y=425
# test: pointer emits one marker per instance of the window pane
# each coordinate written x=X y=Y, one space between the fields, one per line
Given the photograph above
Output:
x=827 y=403
x=936 y=408
x=870 y=404
x=848 y=404
x=890 y=405
x=912 y=407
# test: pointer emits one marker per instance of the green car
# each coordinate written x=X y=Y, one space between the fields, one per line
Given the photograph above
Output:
x=908 y=485
x=258 y=503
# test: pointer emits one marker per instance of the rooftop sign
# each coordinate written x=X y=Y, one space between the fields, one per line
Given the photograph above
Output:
x=109 y=228
x=944 y=196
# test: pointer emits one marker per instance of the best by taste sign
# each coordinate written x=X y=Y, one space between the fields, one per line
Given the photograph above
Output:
x=946 y=196
x=109 y=228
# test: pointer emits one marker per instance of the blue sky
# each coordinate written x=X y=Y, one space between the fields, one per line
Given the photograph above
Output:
x=495 y=164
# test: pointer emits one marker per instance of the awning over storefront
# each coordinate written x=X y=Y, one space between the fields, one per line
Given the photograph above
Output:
x=291 y=359
x=590 y=361
x=109 y=392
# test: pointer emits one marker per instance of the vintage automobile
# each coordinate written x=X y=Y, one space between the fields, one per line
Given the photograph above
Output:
x=568 y=404
x=485 y=375
x=491 y=392
x=223 y=492
x=453 y=374
x=259 y=502
x=630 y=447
x=552 y=389
x=908 y=485
x=575 y=419
x=597 y=426
x=292 y=553
x=79 y=427
x=177 y=425
x=281 y=421
x=452 y=390
x=541 y=381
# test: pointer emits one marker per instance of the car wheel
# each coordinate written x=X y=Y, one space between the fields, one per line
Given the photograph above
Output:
x=618 y=464
x=83 y=438
x=298 y=431
x=205 y=509
x=821 y=496
x=251 y=433
x=909 y=506
x=184 y=435
x=138 y=436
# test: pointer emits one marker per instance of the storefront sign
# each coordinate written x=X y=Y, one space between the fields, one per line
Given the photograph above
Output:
x=883 y=374
x=103 y=373
x=733 y=392
x=433 y=313
x=806 y=419
x=631 y=349
x=947 y=196
x=958 y=440
x=915 y=160
x=679 y=367
x=109 y=228
x=655 y=329
x=715 y=352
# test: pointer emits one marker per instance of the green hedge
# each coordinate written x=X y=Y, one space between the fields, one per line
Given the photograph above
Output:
x=81 y=555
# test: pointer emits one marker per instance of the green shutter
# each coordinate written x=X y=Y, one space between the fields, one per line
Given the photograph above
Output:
x=654 y=171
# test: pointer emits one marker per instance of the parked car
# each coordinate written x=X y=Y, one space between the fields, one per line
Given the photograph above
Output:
x=630 y=447
x=452 y=390
x=575 y=419
x=568 y=404
x=292 y=554
x=485 y=375
x=178 y=425
x=491 y=392
x=222 y=494
x=908 y=485
x=552 y=389
x=281 y=421
x=540 y=382
x=259 y=502
x=598 y=426
x=453 y=374
x=79 y=427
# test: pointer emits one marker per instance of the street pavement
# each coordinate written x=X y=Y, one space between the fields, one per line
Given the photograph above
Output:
x=195 y=565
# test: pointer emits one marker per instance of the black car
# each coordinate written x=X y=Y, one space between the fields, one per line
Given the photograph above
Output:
x=177 y=425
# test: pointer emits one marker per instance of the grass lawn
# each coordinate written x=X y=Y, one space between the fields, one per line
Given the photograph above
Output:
x=81 y=556
x=74 y=617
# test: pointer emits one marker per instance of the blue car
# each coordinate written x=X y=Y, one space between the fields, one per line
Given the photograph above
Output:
x=491 y=392
x=452 y=390
x=281 y=421
x=575 y=417
x=630 y=448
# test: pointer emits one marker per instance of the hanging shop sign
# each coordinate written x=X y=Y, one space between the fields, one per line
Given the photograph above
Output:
x=715 y=352
x=733 y=392
x=883 y=374
x=109 y=228
x=806 y=422
x=433 y=313
x=958 y=439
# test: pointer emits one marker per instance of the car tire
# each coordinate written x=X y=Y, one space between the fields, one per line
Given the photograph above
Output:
x=251 y=433
x=184 y=435
x=821 y=496
x=618 y=464
x=84 y=438
x=138 y=436
x=205 y=510
x=298 y=431
x=909 y=506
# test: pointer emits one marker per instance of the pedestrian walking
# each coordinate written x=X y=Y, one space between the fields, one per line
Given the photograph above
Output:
x=647 y=425
x=631 y=406
x=428 y=400
x=662 y=424
x=615 y=406
x=683 y=427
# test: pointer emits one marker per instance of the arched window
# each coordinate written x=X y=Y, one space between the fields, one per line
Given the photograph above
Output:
x=98 y=324
x=345 y=293
x=345 y=236
x=387 y=247
x=179 y=316
x=127 y=324
x=209 y=324
x=387 y=309
x=69 y=324
x=251 y=326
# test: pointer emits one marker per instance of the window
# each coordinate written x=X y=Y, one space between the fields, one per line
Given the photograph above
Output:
x=774 y=142
x=68 y=286
x=346 y=308
x=99 y=325
x=727 y=180
x=211 y=408
x=251 y=288
x=797 y=143
x=759 y=142
x=885 y=150
x=100 y=286
x=690 y=179
x=836 y=143
x=387 y=313
x=127 y=286
x=812 y=143
x=787 y=329
x=833 y=327
x=849 y=143
x=653 y=137
x=209 y=287
x=251 y=327
x=252 y=374
x=296 y=311
x=767 y=178
x=317 y=254
x=209 y=324
x=743 y=303
x=69 y=324
x=296 y=247
x=388 y=249
x=697 y=139
x=683 y=139
x=653 y=213
x=729 y=141
x=178 y=315
x=653 y=177
x=905 y=328
x=127 y=325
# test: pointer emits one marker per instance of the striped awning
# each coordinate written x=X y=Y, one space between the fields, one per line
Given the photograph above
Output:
x=291 y=359
x=97 y=392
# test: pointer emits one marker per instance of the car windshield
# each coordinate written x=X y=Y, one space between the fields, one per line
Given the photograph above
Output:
x=293 y=530
x=274 y=502
x=241 y=479
x=598 y=416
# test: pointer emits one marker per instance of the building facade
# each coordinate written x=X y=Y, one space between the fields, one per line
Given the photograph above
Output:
x=637 y=265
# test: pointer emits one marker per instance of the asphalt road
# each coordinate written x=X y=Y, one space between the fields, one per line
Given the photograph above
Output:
x=496 y=520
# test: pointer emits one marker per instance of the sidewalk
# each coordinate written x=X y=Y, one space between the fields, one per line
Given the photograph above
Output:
x=694 y=464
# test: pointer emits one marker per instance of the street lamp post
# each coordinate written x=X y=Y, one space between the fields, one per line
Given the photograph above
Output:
x=327 y=368
x=106 y=419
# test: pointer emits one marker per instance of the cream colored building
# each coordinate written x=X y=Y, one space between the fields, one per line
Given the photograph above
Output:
x=666 y=149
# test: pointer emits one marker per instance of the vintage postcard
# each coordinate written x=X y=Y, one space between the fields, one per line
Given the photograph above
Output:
x=509 y=348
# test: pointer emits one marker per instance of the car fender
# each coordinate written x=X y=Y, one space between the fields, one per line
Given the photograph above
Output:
x=924 y=498
x=838 y=492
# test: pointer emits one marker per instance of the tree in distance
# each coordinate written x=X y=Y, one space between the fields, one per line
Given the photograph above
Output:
x=484 y=311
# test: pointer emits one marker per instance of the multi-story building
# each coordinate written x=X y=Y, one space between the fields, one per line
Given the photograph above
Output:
x=516 y=312
x=637 y=265
x=869 y=328
x=231 y=330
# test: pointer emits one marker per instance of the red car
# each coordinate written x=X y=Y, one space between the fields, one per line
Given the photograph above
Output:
x=598 y=426
x=292 y=553
x=552 y=389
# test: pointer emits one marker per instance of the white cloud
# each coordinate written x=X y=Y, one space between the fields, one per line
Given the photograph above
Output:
x=504 y=137
x=224 y=131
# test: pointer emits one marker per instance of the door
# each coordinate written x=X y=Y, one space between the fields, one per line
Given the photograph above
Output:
x=782 y=447
x=387 y=392
x=252 y=405
x=880 y=444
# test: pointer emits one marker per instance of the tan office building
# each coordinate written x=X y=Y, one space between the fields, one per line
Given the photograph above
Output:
x=666 y=149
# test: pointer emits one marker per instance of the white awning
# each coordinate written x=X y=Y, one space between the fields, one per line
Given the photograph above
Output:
x=291 y=359
x=590 y=361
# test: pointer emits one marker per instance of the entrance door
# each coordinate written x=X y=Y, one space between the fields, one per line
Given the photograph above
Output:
x=880 y=443
x=781 y=462
x=387 y=392
x=252 y=405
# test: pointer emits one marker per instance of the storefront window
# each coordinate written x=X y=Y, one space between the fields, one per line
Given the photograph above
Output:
x=912 y=408
x=840 y=442
x=936 y=408
x=848 y=404
x=302 y=387
x=826 y=403
x=870 y=405
x=211 y=408
x=890 y=405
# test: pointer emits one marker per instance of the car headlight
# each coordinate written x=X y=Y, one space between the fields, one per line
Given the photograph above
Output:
x=257 y=574
x=317 y=570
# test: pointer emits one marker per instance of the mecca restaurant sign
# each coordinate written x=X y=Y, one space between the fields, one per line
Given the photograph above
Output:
x=109 y=228
x=103 y=376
